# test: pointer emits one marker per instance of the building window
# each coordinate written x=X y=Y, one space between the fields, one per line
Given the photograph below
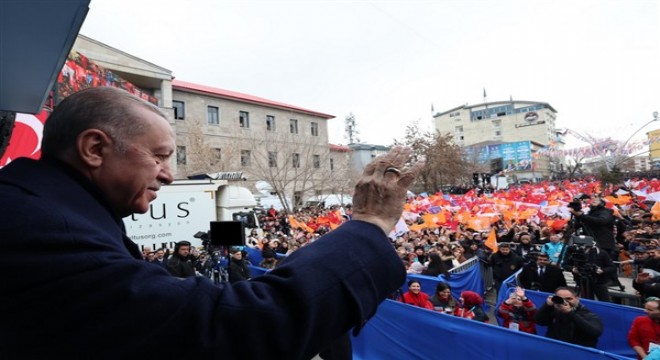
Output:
x=293 y=126
x=296 y=160
x=272 y=159
x=181 y=155
x=332 y=164
x=179 y=109
x=316 y=160
x=244 y=119
x=270 y=122
x=216 y=156
x=498 y=133
x=497 y=124
x=459 y=129
x=245 y=157
x=213 y=115
x=315 y=129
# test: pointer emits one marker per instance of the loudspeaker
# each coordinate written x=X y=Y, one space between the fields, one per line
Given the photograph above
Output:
x=227 y=233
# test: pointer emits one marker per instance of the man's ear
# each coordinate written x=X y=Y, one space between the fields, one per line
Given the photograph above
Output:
x=92 y=145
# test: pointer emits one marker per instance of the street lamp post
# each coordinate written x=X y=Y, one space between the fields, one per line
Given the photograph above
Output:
x=655 y=118
x=625 y=143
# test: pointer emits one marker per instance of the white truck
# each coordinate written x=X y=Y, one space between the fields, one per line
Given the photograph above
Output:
x=186 y=207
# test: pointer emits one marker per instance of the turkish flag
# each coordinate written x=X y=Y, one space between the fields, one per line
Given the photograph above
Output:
x=26 y=137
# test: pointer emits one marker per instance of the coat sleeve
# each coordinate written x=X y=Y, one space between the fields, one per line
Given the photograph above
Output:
x=545 y=315
x=97 y=296
x=587 y=321
x=600 y=218
x=633 y=334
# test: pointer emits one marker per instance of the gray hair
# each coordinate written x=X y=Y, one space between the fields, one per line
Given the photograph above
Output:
x=108 y=109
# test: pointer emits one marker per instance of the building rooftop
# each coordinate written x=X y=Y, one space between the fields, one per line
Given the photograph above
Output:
x=495 y=103
x=233 y=95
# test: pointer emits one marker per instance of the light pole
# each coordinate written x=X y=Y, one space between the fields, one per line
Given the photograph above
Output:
x=623 y=147
x=655 y=118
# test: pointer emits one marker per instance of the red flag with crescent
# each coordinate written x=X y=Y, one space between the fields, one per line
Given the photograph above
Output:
x=25 y=139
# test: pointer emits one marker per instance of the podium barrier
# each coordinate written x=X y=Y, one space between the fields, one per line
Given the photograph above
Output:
x=400 y=331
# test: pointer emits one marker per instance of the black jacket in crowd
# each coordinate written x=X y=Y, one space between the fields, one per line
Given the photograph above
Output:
x=181 y=267
x=592 y=257
x=599 y=223
x=238 y=270
x=505 y=265
x=580 y=326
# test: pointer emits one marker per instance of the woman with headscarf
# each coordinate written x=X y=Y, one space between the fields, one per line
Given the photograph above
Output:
x=471 y=307
x=414 y=296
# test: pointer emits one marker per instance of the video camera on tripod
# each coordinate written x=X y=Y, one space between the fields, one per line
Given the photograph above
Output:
x=577 y=254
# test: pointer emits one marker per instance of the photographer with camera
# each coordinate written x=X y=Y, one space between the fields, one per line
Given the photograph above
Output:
x=599 y=223
x=541 y=275
x=568 y=320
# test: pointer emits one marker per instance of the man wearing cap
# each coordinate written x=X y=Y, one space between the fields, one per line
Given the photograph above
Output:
x=553 y=249
x=504 y=263
x=640 y=256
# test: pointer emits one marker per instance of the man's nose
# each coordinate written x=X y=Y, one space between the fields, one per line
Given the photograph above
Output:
x=165 y=176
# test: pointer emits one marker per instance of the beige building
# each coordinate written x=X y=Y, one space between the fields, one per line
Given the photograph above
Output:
x=504 y=135
x=641 y=163
x=284 y=145
x=224 y=131
x=500 y=121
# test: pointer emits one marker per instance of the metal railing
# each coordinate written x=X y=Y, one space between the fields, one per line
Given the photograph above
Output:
x=486 y=271
x=469 y=263
x=626 y=269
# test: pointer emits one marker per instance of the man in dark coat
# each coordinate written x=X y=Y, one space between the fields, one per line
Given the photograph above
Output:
x=599 y=223
x=65 y=256
x=238 y=269
x=505 y=263
x=542 y=276
x=569 y=321
x=592 y=269
x=180 y=264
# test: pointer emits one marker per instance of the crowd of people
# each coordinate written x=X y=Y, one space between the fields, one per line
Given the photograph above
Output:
x=623 y=241
x=107 y=153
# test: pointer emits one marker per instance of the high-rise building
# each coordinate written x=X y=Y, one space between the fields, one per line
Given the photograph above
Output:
x=503 y=135
x=499 y=121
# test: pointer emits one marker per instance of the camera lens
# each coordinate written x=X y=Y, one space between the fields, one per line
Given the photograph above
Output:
x=557 y=300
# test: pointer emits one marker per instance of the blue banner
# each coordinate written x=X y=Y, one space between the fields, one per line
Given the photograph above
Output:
x=400 y=331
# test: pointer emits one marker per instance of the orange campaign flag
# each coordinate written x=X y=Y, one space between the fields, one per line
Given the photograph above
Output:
x=491 y=241
x=655 y=211
x=432 y=221
x=417 y=227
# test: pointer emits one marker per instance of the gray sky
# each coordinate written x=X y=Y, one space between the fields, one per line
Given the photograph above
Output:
x=596 y=62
